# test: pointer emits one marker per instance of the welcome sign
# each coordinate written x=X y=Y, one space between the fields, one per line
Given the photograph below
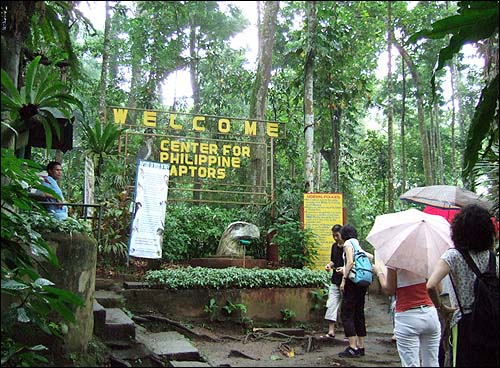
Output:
x=211 y=156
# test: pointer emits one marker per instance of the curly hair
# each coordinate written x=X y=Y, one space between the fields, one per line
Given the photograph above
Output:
x=472 y=229
x=348 y=232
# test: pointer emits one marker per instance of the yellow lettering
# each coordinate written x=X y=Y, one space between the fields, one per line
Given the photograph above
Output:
x=149 y=118
x=212 y=160
x=202 y=172
x=213 y=149
x=163 y=156
x=272 y=129
x=226 y=149
x=173 y=170
x=120 y=115
x=250 y=127
x=172 y=124
x=202 y=159
x=211 y=173
x=235 y=162
x=224 y=125
x=175 y=146
x=182 y=170
x=164 y=145
x=204 y=148
x=196 y=127
x=245 y=151
x=221 y=173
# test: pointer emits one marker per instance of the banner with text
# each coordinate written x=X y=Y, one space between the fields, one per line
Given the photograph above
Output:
x=148 y=215
x=322 y=211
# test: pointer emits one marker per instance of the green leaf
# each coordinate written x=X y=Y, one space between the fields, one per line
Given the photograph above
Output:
x=30 y=78
x=484 y=117
x=43 y=282
x=11 y=88
x=63 y=310
x=66 y=295
x=13 y=285
x=22 y=316
x=48 y=131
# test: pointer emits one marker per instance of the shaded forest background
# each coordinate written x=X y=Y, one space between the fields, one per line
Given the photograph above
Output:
x=316 y=72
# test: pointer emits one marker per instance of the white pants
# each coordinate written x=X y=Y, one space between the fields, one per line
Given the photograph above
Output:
x=333 y=303
x=418 y=331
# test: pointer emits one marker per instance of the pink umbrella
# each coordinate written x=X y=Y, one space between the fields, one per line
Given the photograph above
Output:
x=411 y=240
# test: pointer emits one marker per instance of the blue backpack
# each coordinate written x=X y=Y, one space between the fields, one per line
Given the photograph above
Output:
x=361 y=273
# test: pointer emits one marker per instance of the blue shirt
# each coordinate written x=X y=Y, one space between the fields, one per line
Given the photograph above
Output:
x=58 y=211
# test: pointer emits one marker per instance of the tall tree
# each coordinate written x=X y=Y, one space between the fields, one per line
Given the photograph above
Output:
x=312 y=21
x=390 y=130
x=267 y=30
x=105 y=64
x=424 y=142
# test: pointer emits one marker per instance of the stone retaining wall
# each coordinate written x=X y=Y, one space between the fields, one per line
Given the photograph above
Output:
x=262 y=304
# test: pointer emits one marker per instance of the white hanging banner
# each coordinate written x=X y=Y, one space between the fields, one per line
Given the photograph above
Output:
x=148 y=215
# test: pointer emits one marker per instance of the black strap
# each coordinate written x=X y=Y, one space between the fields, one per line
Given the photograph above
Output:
x=468 y=259
x=492 y=264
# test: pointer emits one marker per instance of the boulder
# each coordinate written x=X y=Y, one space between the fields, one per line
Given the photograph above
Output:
x=230 y=245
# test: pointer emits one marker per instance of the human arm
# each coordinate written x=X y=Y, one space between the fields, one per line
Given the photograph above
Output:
x=434 y=287
x=388 y=282
x=349 y=262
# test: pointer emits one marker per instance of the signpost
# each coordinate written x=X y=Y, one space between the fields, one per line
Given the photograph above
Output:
x=321 y=212
x=150 y=202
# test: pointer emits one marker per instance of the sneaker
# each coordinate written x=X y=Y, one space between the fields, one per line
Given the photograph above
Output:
x=349 y=353
x=361 y=351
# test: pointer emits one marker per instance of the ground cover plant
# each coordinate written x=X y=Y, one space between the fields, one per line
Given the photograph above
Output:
x=235 y=277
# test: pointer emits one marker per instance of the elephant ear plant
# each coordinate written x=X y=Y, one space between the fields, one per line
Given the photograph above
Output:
x=35 y=103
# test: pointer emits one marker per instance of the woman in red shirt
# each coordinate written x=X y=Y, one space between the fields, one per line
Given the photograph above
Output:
x=416 y=321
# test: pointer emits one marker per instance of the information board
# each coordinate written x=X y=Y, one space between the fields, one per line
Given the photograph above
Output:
x=321 y=212
x=148 y=216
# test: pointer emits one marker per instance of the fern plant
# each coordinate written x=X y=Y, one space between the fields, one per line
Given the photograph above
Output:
x=35 y=103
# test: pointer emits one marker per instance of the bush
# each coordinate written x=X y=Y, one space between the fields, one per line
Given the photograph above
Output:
x=194 y=232
x=235 y=277
x=297 y=247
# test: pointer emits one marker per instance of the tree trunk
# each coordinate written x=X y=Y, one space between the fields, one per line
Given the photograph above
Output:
x=426 y=157
x=309 y=97
x=390 y=130
x=332 y=156
x=453 y=72
x=267 y=31
x=195 y=86
x=105 y=62
x=439 y=148
x=403 y=143
x=14 y=32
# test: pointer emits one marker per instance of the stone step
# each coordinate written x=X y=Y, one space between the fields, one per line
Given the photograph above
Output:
x=118 y=325
x=99 y=317
x=183 y=363
x=109 y=299
x=169 y=344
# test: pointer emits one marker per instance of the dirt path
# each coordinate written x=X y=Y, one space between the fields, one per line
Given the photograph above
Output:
x=264 y=350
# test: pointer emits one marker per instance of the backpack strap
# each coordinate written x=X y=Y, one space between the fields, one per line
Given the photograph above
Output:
x=468 y=259
x=492 y=267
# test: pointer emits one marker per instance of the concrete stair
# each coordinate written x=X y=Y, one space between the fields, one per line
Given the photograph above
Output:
x=130 y=341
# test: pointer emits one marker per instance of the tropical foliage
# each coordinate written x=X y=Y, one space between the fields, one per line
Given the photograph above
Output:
x=54 y=63
x=35 y=103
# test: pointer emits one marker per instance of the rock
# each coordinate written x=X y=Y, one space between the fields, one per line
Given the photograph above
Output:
x=229 y=244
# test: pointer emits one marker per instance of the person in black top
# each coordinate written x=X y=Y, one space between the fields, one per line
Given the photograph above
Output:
x=334 y=295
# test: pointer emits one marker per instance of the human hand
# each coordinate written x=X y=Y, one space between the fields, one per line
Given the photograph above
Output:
x=339 y=270
x=446 y=311
x=328 y=267
x=342 y=285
